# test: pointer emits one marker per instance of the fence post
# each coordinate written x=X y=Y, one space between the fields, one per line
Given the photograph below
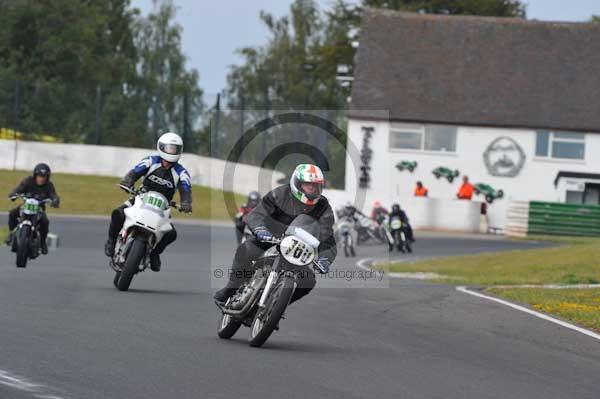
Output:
x=242 y=116
x=98 y=114
x=214 y=145
x=16 y=120
x=186 y=122
x=263 y=146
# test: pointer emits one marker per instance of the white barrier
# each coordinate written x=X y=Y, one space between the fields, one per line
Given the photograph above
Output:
x=116 y=161
x=426 y=213
x=517 y=219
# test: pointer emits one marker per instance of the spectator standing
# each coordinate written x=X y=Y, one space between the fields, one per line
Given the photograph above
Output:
x=420 y=190
x=466 y=189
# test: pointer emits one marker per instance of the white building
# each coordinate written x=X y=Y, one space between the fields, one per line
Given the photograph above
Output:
x=511 y=103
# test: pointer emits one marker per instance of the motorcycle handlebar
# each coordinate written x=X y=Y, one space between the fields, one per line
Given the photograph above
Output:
x=133 y=191
x=23 y=196
x=129 y=190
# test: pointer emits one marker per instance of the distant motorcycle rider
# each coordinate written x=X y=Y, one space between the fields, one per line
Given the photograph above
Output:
x=406 y=227
x=38 y=186
x=379 y=212
x=164 y=174
x=242 y=215
x=271 y=218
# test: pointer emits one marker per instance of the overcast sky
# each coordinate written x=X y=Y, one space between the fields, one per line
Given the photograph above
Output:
x=213 y=30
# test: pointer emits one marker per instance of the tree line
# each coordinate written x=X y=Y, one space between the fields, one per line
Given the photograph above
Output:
x=95 y=72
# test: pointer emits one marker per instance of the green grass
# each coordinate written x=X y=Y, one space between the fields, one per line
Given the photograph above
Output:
x=3 y=234
x=581 y=306
x=575 y=261
x=97 y=195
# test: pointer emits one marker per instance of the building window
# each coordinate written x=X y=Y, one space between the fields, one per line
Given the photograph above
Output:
x=560 y=145
x=437 y=138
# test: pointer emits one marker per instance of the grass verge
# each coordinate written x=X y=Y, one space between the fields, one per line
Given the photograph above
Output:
x=3 y=234
x=98 y=195
x=581 y=306
x=575 y=261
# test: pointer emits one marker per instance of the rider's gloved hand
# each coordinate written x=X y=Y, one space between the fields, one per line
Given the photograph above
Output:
x=55 y=203
x=185 y=207
x=263 y=234
x=323 y=265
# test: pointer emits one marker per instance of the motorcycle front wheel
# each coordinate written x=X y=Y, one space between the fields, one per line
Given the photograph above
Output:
x=132 y=263
x=267 y=320
x=23 y=246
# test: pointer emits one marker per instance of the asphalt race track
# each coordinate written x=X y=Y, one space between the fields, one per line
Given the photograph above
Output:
x=67 y=333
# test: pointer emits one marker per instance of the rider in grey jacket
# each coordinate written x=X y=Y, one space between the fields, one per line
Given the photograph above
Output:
x=271 y=218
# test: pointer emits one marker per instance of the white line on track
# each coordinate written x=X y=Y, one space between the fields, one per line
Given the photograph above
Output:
x=361 y=264
x=22 y=384
x=531 y=312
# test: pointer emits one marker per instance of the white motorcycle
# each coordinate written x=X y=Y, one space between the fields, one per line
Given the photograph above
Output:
x=146 y=222
x=344 y=228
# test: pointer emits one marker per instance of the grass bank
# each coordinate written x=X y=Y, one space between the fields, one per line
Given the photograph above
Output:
x=572 y=261
x=578 y=305
x=98 y=195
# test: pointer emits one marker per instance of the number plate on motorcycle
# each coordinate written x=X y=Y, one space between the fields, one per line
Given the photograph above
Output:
x=155 y=200
x=31 y=207
x=296 y=251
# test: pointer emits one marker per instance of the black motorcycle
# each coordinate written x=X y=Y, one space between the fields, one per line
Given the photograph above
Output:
x=25 y=237
x=397 y=235
x=261 y=302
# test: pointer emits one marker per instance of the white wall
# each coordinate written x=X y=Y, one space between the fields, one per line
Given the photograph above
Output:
x=535 y=181
x=116 y=161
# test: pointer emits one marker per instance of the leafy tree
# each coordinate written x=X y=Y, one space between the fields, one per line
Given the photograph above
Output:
x=67 y=58
x=170 y=92
x=61 y=51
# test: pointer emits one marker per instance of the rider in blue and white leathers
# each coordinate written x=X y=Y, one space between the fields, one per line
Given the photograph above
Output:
x=161 y=173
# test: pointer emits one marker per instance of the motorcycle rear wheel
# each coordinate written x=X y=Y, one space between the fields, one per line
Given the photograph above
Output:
x=228 y=326
x=267 y=320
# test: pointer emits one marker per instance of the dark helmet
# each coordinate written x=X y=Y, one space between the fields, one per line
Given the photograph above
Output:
x=395 y=208
x=41 y=169
x=253 y=199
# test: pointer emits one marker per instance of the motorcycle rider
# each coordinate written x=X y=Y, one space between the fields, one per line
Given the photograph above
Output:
x=408 y=231
x=397 y=213
x=164 y=174
x=38 y=186
x=242 y=215
x=378 y=212
x=272 y=216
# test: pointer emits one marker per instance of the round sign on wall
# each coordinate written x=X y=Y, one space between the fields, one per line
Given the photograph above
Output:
x=504 y=157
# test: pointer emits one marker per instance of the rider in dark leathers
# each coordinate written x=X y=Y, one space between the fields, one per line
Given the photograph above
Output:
x=271 y=218
x=406 y=227
x=39 y=186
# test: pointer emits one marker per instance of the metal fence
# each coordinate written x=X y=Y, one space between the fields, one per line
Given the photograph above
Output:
x=221 y=129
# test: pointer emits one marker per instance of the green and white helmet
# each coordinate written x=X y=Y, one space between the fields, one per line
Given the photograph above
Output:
x=307 y=173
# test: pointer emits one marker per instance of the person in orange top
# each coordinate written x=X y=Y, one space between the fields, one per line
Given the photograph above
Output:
x=420 y=190
x=466 y=190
